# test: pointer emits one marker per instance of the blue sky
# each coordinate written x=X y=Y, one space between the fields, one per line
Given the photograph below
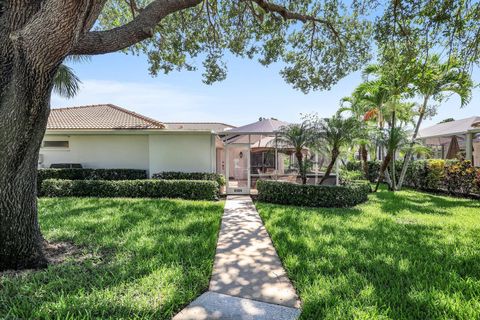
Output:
x=249 y=92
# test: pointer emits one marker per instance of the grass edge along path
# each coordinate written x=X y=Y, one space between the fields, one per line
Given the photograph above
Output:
x=142 y=259
x=408 y=255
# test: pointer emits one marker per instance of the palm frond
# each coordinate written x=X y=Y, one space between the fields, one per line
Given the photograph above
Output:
x=65 y=83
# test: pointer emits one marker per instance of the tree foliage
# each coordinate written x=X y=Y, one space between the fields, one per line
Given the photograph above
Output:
x=319 y=41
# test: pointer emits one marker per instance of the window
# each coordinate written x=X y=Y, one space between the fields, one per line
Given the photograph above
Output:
x=55 y=144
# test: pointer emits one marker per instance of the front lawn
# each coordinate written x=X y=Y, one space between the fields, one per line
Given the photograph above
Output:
x=408 y=255
x=139 y=258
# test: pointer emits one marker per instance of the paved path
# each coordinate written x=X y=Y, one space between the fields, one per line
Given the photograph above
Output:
x=248 y=280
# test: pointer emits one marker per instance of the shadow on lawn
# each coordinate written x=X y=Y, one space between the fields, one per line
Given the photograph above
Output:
x=420 y=202
x=348 y=266
x=150 y=258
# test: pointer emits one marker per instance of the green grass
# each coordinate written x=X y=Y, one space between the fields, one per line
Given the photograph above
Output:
x=407 y=255
x=147 y=259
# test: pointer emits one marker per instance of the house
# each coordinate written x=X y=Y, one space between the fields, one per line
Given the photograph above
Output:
x=454 y=138
x=107 y=136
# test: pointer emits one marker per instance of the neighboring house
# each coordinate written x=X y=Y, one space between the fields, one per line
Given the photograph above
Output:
x=107 y=136
x=449 y=139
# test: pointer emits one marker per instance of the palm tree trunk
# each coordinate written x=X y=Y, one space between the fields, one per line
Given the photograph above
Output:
x=408 y=155
x=301 y=166
x=384 y=166
x=393 y=174
x=364 y=155
x=335 y=154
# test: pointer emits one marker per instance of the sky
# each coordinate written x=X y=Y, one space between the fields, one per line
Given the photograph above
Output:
x=249 y=92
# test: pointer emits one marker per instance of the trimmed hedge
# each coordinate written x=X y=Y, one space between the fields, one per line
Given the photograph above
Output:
x=174 y=175
x=312 y=195
x=185 y=189
x=90 y=174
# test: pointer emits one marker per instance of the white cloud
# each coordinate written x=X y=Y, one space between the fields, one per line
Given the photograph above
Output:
x=159 y=101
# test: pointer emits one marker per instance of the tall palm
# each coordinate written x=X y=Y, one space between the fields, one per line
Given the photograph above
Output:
x=298 y=137
x=434 y=80
x=392 y=139
x=336 y=133
x=365 y=105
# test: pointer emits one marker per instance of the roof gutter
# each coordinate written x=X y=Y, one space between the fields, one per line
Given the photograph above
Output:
x=124 y=132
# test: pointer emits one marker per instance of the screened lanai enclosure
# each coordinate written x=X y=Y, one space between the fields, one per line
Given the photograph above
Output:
x=251 y=153
x=454 y=139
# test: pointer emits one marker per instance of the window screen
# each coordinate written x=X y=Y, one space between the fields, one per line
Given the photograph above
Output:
x=55 y=144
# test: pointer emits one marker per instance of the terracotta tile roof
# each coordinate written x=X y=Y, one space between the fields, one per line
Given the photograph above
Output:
x=213 y=126
x=102 y=116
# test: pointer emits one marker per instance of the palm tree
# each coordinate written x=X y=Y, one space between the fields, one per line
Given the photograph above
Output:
x=336 y=133
x=392 y=139
x=65 y=83
x=299 y=137
x=433 y=81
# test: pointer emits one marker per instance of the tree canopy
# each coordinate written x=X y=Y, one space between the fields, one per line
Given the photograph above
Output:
x=319 y=41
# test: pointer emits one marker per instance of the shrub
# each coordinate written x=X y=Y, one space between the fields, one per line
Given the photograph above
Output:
x=349 y=176
x=90 y=174
x=353 y=165
x=373 y=170
x=460 y=177
x=416 y=174
x=185 y=189
x=477 y=181
x=173 y=175
x=435 y=173
x=312 y=195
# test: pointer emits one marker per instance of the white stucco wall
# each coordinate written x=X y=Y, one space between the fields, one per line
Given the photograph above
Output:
x=99 y=151
x=182 y=152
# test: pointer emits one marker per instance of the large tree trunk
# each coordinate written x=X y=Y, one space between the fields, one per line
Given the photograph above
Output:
x=35 y=37
x=335 y=154
x=24 y=108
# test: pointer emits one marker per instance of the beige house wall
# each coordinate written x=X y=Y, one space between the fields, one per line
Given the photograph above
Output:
x=182 y=152
x=98 y=151
x=154 y=152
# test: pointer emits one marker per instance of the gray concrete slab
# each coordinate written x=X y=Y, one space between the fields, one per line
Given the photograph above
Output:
x=246 y=263
x=212 y=305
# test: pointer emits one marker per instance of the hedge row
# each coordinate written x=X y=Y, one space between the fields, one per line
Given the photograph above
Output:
x=185 y=189
x=312 y=195
x=455 y=176
x=90 y=174
x=174 y=175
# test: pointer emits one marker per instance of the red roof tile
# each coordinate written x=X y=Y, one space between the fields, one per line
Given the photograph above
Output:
x=104 y=116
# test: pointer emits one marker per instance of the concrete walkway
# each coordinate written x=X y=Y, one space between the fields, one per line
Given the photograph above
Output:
x=248 y=280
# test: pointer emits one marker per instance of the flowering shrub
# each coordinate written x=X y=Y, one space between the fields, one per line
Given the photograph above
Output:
x=435 y=174
x=460 y=177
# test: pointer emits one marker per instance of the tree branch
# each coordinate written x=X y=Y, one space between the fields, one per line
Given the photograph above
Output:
x=140 y=28
x=289 y=15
